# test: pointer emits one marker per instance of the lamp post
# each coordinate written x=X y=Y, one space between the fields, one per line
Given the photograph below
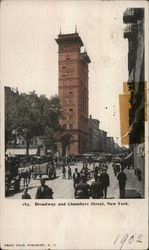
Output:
x=53 y=109
x=26 y=133
x=66 y=155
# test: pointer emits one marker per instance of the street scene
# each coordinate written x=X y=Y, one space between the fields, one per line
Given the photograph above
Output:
x=60 y=177
x=63 y=187
x=81 y=140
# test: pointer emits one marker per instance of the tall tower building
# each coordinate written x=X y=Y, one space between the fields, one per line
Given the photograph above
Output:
x=73 y=94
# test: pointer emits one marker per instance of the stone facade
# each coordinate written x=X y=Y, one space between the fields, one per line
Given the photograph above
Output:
x=111 y=145
x=93 y=135
x=97 y=138
x=102 y=141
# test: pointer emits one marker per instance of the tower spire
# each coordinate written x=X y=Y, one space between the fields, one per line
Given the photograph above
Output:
x=60 y=31
x=75 y=28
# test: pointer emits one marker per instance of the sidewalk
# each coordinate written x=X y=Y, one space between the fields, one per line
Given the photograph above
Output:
x=133 y=185
x=113 y=189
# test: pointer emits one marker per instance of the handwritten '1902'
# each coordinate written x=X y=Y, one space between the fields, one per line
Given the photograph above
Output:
x=120 y=241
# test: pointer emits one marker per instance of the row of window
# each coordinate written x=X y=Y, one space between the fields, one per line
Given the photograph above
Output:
x=68 y=82
x=68 y=74
x=65 y=83
x=66 y=95
x=23 y=142
x=65 y=99
x=65 y=105
x=67 y=126
x=69 y=109
x=68 y=70
x=70 y=117
x=68 y=49
x=68 y=65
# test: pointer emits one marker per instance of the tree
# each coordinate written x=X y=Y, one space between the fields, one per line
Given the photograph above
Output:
x=30 y=115
x=11 y=100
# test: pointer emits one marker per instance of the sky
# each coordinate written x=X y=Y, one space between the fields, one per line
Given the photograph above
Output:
x=29 y=53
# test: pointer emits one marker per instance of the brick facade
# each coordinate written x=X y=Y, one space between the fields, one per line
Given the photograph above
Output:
x=73 y=95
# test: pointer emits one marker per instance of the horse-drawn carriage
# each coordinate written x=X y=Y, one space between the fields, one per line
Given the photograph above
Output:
x=43 y=169
x=40 y=168
x=12 y=180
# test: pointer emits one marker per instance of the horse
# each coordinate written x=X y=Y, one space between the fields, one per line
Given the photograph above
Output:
x=25 y=174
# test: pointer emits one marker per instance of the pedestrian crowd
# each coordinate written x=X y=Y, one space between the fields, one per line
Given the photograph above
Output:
x=97 y=189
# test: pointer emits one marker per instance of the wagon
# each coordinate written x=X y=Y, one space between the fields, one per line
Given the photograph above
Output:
x=11 y=183
x=43 y=169
x=12 y=180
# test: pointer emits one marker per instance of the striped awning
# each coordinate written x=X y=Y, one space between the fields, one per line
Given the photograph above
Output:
x=129 y=156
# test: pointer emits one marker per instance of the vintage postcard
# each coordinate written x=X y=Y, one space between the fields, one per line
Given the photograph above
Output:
x=74 y=124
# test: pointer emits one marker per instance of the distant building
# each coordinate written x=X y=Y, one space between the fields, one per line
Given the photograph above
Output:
x=110 y=145
x=73 y=95
x=97 y=138
x=102 y=140
x=17 y=146
x=93 y=135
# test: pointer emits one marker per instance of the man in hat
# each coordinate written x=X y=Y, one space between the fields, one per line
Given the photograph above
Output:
x=96 y=190
x=64 y=172
x=43 y=191
x=25 y=194
x=122 y=178
x=76 y=177
x=69 y=173
x=82 y=189
x=105 y=182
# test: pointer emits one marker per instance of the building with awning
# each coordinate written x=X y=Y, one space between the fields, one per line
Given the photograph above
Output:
x=129 y=156
x=20 y=151
x=135 y=33
x=129 y=160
